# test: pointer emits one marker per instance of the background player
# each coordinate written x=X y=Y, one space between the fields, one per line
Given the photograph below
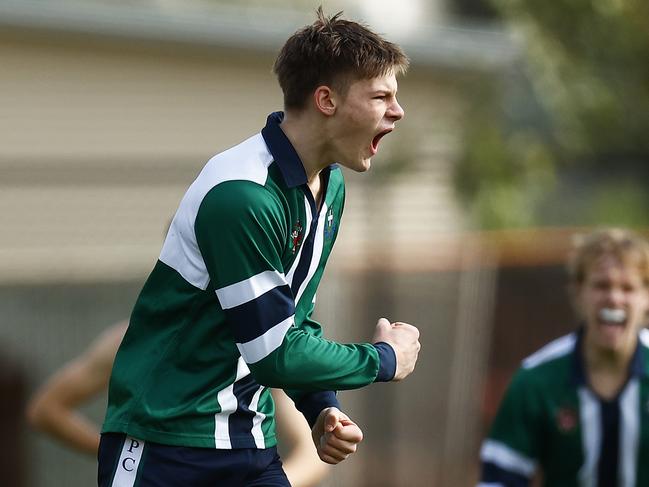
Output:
x=576 y=410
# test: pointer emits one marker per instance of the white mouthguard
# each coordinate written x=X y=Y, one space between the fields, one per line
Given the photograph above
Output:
x=614 y=315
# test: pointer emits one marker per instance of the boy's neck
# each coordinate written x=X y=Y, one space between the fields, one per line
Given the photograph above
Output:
x=308 y=138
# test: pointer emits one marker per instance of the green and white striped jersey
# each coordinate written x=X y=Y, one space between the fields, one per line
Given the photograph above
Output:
x=226 y=311
x=552 y=420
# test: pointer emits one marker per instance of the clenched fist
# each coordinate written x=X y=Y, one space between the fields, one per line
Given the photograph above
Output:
x=404 y=339
x=335 y=435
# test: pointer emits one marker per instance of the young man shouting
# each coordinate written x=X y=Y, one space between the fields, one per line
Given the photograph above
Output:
x=226 y=311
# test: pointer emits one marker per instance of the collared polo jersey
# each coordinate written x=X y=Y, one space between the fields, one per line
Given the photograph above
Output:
x=550 y=418
x=226 y=311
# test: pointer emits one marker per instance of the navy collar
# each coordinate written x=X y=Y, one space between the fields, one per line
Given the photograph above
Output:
x=636 y=366
x=283 y=152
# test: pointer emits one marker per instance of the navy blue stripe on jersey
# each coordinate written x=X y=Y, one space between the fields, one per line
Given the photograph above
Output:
x=240 y=423
x=608 y=458
x=636 y=367
x=492 y=474
x=303 y=265
x=302 y=268
x=254 y=318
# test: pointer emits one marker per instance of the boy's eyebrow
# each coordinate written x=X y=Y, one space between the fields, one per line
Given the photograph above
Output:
x=384 y=91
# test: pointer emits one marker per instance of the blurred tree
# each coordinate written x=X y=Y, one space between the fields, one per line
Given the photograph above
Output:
x=473 y=10
x=588 y=59
x=587 y=63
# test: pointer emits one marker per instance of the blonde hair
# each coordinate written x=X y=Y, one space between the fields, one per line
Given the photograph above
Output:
x=627 y=246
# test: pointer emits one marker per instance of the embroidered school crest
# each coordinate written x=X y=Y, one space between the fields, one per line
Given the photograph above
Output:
x=566 y=419
x=296 y=236
x=330 y=225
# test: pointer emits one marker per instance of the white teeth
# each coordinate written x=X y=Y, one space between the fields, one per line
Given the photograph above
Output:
x=614 y=315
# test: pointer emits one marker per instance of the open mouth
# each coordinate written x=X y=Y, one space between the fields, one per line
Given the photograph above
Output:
x=377 y=138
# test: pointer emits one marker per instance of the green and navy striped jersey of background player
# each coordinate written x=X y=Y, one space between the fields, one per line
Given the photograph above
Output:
x=551 y=419
x=228 y=307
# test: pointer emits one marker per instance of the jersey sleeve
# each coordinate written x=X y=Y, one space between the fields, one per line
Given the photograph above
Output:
x=241 y=232
x=509 y=454
x=307 y=402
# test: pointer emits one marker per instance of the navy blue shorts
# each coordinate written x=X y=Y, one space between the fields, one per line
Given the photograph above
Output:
x=128 y=462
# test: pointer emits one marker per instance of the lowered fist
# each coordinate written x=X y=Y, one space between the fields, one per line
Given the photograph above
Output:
x=335 y=436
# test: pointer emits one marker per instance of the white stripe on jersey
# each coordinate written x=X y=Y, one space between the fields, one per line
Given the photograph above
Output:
x=248 y=161
x=506 y=458
x=555 y=349
x=257 y=432
x=180 y=251
x=260 y=347
x=591 y=436
x=316 y=255
x=129 y=461
x=228 y=403
x=629 y=433
x=490 y=484
x=244 y=291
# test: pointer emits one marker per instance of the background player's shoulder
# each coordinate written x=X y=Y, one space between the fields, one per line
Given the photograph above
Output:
x=543 y=370
x=555 y=350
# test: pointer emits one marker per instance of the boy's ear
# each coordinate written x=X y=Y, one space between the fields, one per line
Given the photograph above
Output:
x=324 y=100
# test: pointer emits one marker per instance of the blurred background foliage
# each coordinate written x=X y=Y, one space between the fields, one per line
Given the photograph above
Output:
x=562 y=137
